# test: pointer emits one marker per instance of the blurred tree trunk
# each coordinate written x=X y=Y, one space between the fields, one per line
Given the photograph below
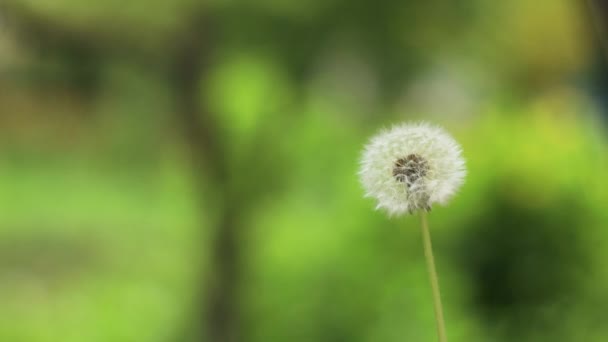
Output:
x=190 y=68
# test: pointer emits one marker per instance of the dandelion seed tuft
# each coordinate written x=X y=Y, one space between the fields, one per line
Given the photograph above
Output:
x=410 y=167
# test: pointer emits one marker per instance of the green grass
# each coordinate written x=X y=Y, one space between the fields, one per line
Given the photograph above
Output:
x=87 y=255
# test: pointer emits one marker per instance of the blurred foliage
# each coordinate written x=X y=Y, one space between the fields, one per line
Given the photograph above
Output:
x=101 y=233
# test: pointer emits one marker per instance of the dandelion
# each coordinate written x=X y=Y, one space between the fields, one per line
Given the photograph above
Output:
x=411 y=167
x=408 y=169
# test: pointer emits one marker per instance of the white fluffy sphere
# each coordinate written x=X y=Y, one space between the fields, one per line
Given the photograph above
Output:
x=410 y=167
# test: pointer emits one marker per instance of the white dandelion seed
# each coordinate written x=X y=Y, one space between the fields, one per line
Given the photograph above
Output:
x=410 y=167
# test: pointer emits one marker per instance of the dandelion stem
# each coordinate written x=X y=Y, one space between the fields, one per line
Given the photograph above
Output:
x=430 y=263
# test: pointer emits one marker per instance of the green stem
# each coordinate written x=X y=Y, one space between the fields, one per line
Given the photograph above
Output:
x=430 y=263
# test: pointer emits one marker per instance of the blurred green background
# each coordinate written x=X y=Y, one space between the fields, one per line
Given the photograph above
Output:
x=186 y=170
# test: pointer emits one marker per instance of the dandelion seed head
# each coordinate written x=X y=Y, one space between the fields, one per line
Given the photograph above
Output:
x=410 y=167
